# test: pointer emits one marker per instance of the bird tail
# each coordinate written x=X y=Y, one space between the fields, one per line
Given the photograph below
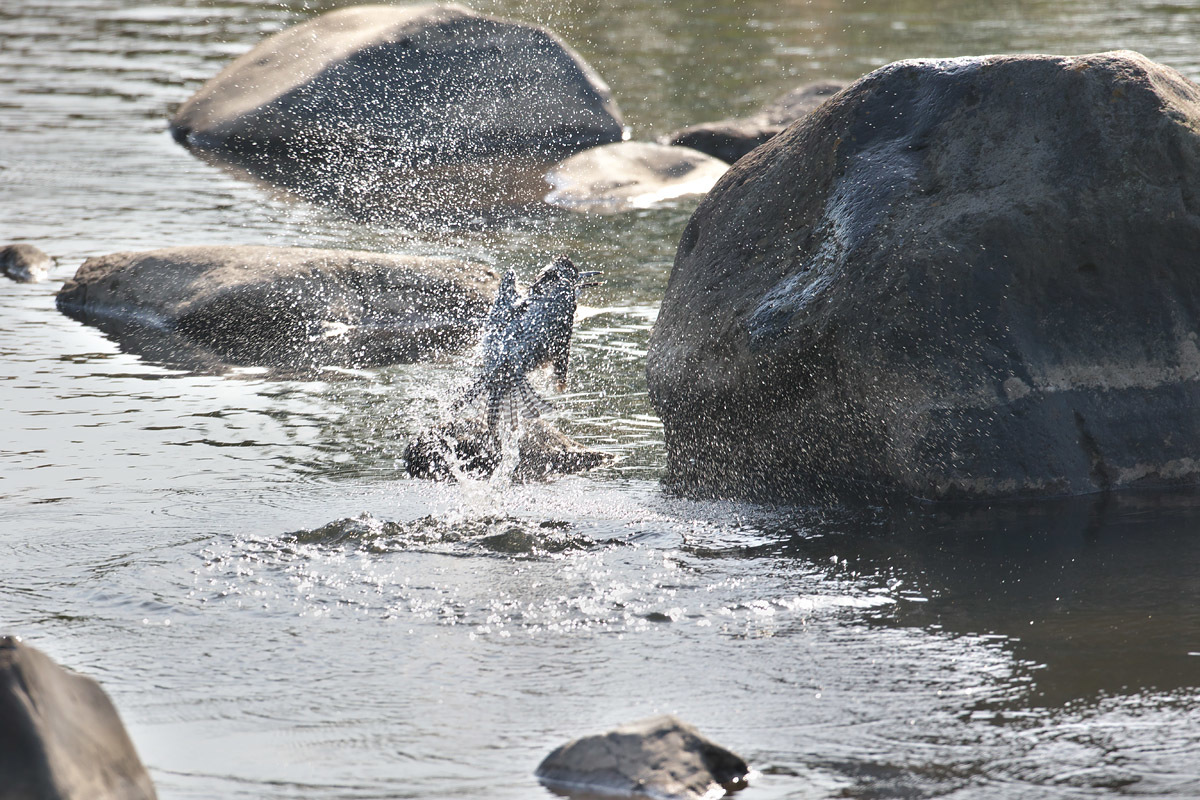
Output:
x=510 y=402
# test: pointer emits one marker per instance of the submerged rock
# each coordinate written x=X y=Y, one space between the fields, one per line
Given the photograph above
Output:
x=360 y=90
x=660 y=757
x=730 y=139
x=60 y=736
x=24 y=263
x=465 y=446
x=287 y=306
x=618 y=177
x=960 y=278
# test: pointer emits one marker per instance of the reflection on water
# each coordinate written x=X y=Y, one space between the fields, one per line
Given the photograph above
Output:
x=278 y=612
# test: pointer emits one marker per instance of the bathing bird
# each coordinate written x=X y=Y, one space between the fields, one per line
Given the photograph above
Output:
x=523 y=334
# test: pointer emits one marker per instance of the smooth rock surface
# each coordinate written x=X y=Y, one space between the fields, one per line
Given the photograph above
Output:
x=428 y=83
x=627 y=175
x=60 y=736
x=24 y=263
x=542 y=452
x=660 y=757
x=288 y=307
x=730 y=139
x=963 y=278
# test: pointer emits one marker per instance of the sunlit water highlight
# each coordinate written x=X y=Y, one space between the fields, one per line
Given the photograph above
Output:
x=278 y=612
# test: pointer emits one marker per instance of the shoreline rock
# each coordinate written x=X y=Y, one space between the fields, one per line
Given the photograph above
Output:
x=284 y=306
x=958 y=279
x=660 y=757
x=60 y=735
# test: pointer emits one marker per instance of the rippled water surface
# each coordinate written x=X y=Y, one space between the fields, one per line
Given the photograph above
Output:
x=279 y=612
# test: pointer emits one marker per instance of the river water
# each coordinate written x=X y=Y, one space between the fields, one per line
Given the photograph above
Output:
x=278 y=612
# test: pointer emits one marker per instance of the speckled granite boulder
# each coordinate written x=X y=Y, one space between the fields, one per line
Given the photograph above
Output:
x=957 y=279
x=661 y=757
x=60 y=736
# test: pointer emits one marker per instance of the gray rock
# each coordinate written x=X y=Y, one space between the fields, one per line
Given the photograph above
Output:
x=24 y=263
x=730 y=139
x=60 y=736
x=962 y=278
x=627 y=175
x=287 y=306
x=660 y=757
x=421 y=83
x=542 y=452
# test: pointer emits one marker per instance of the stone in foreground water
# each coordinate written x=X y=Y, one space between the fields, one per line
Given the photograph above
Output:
x=660 y=757
x=959 y=278
x=629 y=175
x=60 y=736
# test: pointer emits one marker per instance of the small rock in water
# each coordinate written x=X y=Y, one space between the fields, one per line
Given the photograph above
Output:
x=464 y=446
x=660 y=757
x=60 y=736
x=627 y=175
x=24 y=263
x=730 y=139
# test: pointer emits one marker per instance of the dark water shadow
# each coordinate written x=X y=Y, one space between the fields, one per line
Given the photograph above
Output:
x=1094 y=596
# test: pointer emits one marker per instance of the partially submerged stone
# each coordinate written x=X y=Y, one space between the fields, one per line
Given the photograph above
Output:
x=287 y=306
x=60 y=736
x=660 y=757
x=627 y=175
x=24 y=263
x=370 y=87
x=960 y=278
x=730 y=139
x=465 y=447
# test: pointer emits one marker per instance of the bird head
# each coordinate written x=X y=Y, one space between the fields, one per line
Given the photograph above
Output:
x=561 y=270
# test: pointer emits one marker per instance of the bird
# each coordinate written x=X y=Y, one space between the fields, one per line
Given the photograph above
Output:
x=523 y=334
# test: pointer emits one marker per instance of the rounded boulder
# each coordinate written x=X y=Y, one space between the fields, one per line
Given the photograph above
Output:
x=957 y=279
x=288 y=307
x=418 y=84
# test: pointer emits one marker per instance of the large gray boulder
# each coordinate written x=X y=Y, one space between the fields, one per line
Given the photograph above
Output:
x=730 y=139
x=962 y=278
x=288 y=306
x=628 y=175
x=421 y=83
x=660 y=757
x=60 y=736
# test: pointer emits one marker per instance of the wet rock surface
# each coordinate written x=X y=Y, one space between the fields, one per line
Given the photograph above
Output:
x=730 y=139
x=961 y=278
x=283 y=306
x=60 y=736
x=24 y=263
x=627 y=175
x=465 y=447
x=660 y=757
x=349 y=95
